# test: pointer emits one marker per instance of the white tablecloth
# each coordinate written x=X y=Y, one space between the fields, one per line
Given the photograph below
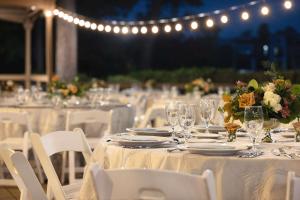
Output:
x=263 y=177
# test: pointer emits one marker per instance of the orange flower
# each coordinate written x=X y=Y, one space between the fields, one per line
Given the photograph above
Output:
x=226 y=98
x=246 y=99
x=232 y=127
x=55 y=78
x=73 y=89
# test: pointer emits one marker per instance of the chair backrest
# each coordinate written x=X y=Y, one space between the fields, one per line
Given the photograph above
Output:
x=293 y=186
x=151 y=184
x=152 y=113
x=22 y=173
x=89 y=116
x=16 y=117
x=56 y=142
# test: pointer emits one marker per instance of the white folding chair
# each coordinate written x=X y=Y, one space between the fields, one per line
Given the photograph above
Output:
x=293 y=186
x=153 y=113
x=57 y=142
x=18 y=142
x=151 y=184
x=23 y=174
x=77 y=118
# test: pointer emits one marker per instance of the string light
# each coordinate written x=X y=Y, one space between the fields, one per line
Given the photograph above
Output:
x=209 y=23
x=100 y=27
x=288 y=4
x=178 y=27
x=135 y=30
x=224 y=19
x=55 y=12
x=76 y=21
x=167 y=28
x=107 y=28
x=65 y=17
x=154 y=29
x=264 y=10
x=194 y=25
x=125 y=30
x=116 y=29
x=87 y=24
x=245 y=16
x=93 y=26
x=70 y=19
x=60 y=14
x=48 y=13
x=81 y=22
x=144 y=30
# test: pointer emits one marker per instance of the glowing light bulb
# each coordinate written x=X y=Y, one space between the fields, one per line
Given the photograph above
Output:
x=135 y=30
x=125 y=30
x=93 y=26
x=194 y=25
x=66 y=16
x=48 y=13
x=116 y=29
x=154 y=29
x=100 y=27
x=107 y=28
x=288 y=4
x=70 y=19
x=265 y=10
x=224 y=19
x=87 y=24
x=168 y=28
x=144 y=30
x=76 y=21
x=209 y=23
x=55 y=12
x=61 y=14
x=245 y=15
x=81 y=22
x=178 y=27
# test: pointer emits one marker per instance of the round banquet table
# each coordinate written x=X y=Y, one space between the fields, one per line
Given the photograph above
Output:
x=263 y=177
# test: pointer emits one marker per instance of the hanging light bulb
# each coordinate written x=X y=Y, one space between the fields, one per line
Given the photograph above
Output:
x=70 y=19
x=245 y=16
x=55 y=12
x=224 y=19
x=100 y=27
x=116 y=29
x=288 y=4
x=144 y=30
x=194 y=25
x=81 y=22
x=265 y=10
x=135 y=30
x=61 y=14
x=209 y=23
x=125 y=30
x=87 y=24
x=178 y=27
x=167 y=28
x=66 y=16
x=107 y=28
x=76 y=21
x=154 y=29
x=48 y=13
x=93 y=26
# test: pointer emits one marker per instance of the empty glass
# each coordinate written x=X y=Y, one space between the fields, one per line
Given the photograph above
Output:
x=253 y=122
x=187 y=118
x=171 y=110
x=207 y=110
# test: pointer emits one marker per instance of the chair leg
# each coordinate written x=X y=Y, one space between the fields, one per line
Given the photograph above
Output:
x=63 y=167
x=49 y=192
x=71 y=167
x=39 y=168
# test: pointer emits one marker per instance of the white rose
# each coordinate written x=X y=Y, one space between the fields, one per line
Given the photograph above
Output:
x=272 y=100
x=270 y=87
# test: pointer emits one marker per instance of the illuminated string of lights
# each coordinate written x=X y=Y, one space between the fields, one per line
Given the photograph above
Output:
x=192 y=22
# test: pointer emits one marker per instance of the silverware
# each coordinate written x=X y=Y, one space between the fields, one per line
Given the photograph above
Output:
x=284 y=153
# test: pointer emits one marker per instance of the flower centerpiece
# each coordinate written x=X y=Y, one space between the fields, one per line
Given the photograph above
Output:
x=278 y=98
x=59 y=87
x=199 y=84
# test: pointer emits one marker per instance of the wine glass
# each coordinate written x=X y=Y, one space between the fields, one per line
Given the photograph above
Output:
x=171 y=111
x=187 y=118
x=206 y=108
x=254 y=121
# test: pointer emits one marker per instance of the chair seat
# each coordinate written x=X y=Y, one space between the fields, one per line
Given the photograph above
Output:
x=13 y=143
x=72 y=190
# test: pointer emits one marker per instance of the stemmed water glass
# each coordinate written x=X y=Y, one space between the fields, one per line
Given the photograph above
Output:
x=186 y=118
x=254 y=121
x=171 y=111
x=206 y=107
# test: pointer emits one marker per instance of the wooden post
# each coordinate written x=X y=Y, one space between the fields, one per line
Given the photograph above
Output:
x=28 y=28
x=49 y=45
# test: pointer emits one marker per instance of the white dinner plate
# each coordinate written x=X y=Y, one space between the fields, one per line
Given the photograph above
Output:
x=139 y=141
x=212 y=128
x=213 y=149
x=288 y=134
x=207 y=136
x=149 y=132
